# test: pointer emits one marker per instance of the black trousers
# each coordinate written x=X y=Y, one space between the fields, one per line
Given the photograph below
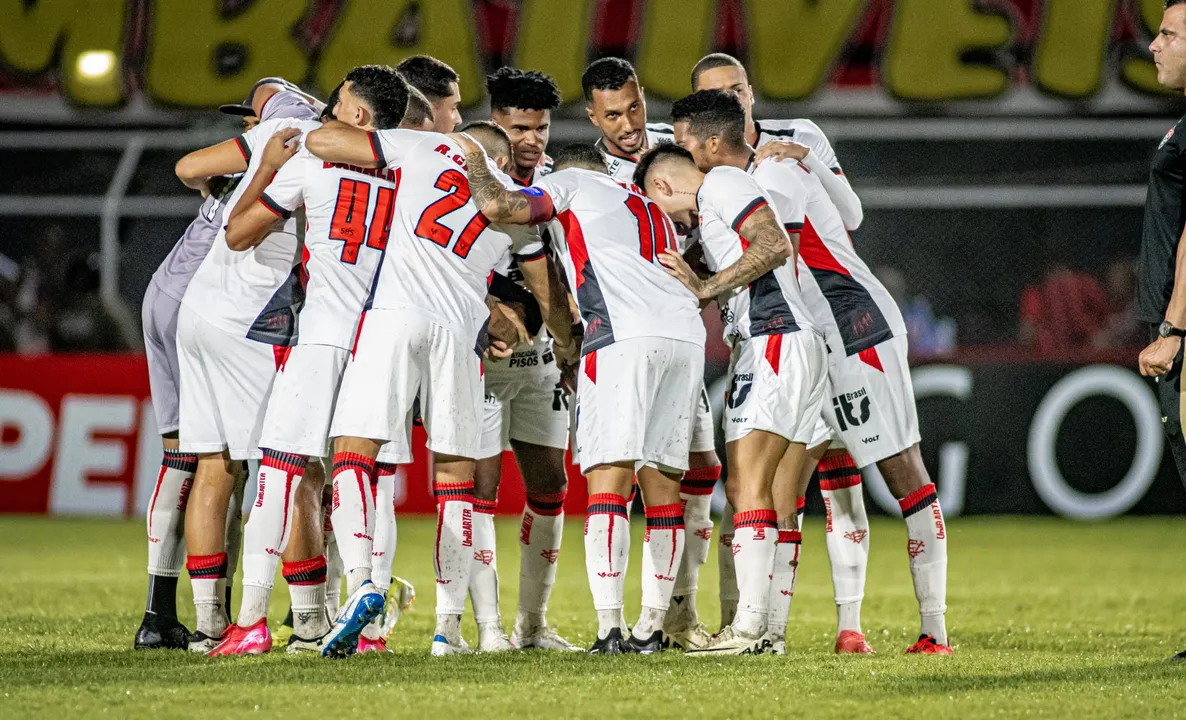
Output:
x=1169 y=397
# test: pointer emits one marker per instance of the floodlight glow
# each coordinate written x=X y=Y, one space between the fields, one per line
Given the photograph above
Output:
x=96 y=64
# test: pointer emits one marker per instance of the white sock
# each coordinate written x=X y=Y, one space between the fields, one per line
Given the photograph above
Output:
x=697 y=539
x=354 y=516
x=540 y=533
x=383 y=548
x=782 y=580
x=269 y=526
x=207 y=574
x=483 y=574
x=662 y=553
x=847 y=534
x=754 y=538
x=607 y=545
x=727 y=585
x=306 y=592
x=166 y=514
x=333 y=560
x=453 y=554
x=927 y=547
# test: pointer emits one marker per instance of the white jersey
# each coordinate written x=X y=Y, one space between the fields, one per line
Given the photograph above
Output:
x=621 y=167
x=506 y=283
x=771 y=304
x=442 y=249
x=609 y=239
x=854 y=309
x=348 y=217
x=254 y=293
x=802 y=131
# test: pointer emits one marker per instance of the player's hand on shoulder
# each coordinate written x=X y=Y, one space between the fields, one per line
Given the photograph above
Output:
x=679 y=268
x=281 y=146
x=468 y=146
x=781 y=150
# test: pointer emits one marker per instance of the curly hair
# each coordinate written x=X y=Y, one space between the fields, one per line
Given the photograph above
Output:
x=525 y=89
x=383 y=90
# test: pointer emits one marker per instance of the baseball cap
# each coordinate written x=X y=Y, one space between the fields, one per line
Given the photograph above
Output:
x=244 y=109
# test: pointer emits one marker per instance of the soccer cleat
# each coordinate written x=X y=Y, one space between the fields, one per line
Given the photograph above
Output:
x=366 y=645
x=1180 y=657
x=690 y=638
x=363 y=606
x=283 y=631
x=202 y=643
x=611 y=644
x=238 y=640
x=542 y=638
x=774 y=644
x=851 y=642
x=731 y=641
x=492 y=638
x=298 y=644
x=656 y=643
x=160 y=633
x=400 y=597
x=442 y=646
x=926 y=645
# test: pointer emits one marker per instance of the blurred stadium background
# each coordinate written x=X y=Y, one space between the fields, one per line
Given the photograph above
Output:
x=1000 y=148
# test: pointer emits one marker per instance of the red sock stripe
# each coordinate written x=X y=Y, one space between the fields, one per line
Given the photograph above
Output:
x=454 y=492
x=918 y=500
x=704 y=473
x=606 y=504
x=343 y=461
x=700 y=481
x=177 y=460
x=305 y=572
x=839 y=483
x=800 y=504
x=837 y=462
x=384 y=469
x=484 y=506
x=665 y=516
x=287 y=462
x=551 y=505
x=206 y=567
x=790 y=536
x=755 y=518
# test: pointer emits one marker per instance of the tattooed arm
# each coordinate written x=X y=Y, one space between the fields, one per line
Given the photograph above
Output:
x=496 y=202
x=769 y=248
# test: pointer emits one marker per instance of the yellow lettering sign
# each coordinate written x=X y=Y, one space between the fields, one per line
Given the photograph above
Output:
x=1073 y=45
x=675 y=34
x=793 y=43
x=928 y=38
x=553 y=38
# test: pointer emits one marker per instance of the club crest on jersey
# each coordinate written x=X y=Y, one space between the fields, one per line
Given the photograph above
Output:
x=1168 y=136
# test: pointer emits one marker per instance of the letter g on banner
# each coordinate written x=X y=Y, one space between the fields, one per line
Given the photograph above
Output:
x=1048 y=480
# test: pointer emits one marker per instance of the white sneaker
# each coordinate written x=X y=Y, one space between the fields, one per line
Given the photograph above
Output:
x=202 y=643
x=689 y=638
x=400 y=597
x=775 y=644
x=442 y=646
x=542 y=638
x=492 y=638
x=298 y=645
x=730 y=641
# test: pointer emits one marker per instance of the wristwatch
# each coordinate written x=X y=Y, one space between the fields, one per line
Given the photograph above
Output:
x=1166 y=329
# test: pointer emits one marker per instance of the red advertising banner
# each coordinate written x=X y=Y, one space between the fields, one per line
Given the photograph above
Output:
x=78 y=437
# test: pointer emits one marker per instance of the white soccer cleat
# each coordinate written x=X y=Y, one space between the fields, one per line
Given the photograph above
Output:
x=400 y=597
x=492 y=638
x=201 y=643
x=542 y=638
x=299 y=645
x=442 y=646
x=731 y=641
x=690 y=638
x=775 y=644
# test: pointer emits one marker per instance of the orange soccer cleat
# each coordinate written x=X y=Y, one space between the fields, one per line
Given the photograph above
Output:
x=926 y=645
x=237 y=640
x=852 y=642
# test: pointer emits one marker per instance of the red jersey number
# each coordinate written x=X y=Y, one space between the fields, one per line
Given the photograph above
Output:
x=429 y=227
x=349 y=223
x=654 y=229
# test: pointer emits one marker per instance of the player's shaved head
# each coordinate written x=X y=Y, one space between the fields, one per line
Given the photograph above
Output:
x=661 y=160
x=418 y=115
x=713 y=61
x=579 y=155
x=668 y=174
x=493 y=139
x=377 y=89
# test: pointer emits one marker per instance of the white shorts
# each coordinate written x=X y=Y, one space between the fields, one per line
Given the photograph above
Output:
x=225 y=383
x=779 y=385
x=303 y=398
x=158 y=315
x=399 y=356
x=872 y=402
x=636 y=400
x=703 y=435
x=524 y=401
x=823 y=432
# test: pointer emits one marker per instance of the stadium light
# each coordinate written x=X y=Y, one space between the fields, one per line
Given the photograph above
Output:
x=96 y=64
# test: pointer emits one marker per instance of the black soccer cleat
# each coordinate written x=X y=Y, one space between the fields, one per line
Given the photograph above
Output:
x=161 y=633
x=611 y=644
x=1180 y=657
x=654 y=644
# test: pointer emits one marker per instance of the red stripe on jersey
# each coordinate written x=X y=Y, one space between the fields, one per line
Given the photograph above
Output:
x=591 y=367
x=815 y=253
x=577 y=250
x=244 y=150
x=281 y=355
x=774 y=351
x=869 y=357
x=358 y=333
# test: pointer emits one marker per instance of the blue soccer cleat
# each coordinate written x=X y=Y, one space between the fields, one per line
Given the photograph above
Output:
x=363 y=606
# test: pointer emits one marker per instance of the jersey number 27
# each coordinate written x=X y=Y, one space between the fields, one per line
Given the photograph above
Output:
x=429 y=226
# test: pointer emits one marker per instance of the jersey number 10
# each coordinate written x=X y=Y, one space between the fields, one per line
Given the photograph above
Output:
x=350 y=224
x=654 y=229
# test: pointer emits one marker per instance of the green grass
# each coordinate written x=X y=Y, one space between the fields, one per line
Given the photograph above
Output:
x=1048 y=618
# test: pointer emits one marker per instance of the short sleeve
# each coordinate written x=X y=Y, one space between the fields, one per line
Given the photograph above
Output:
x=391 y=147
x=255 y=137
x=732 y=195
x=286 y=191
x=560 y=187
x=526 y=242
x=787 y=193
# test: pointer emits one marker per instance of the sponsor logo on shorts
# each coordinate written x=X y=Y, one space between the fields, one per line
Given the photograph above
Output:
x=870 y=440
x=525 y=360
x=739 y=390
x=852 y=409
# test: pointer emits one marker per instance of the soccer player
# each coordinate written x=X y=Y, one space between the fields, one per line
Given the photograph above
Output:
x=639 y=382
x=840 y=481
x=439 y=84
x=1161 y=301
x=616 y=105
x=160 y=627
x=873 y=400
x=778 y=360
x=230 y=311
x=348 y=214
x=419 y=114
x=526 y=406
x=421 y=328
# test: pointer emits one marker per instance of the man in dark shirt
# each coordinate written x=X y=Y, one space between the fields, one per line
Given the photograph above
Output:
x=1161 y=300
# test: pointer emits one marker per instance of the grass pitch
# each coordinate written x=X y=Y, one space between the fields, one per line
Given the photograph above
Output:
x=1048 y=618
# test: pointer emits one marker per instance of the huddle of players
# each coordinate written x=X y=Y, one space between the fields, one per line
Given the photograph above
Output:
x=388 y=327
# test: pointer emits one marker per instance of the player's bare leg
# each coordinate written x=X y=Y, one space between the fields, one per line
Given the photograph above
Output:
x=753 y=460
x=607 y=548
x=663 y=549
x=453 y=555
x=160 y=627
x=205 y=539
x=541 y=530
x=907 y=479
x=683 y=620
x=483 y=580
x=234 y=528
